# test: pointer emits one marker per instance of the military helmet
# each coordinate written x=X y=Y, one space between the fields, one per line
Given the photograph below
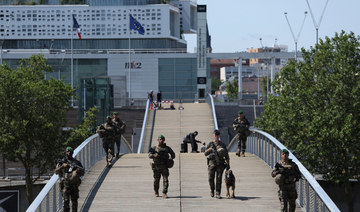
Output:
x=279 y=179
x=221 y=152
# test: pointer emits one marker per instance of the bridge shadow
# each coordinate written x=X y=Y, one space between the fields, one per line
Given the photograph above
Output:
x=91 y=196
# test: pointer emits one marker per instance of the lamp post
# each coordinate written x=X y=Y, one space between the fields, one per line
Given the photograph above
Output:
x=317 y=25
x=292 y=33
x=267 y=70
x=239 y=65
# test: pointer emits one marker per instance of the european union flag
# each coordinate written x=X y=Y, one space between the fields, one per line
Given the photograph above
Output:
x=134 y=24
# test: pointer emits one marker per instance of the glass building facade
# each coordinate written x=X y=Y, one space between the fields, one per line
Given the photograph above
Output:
x=144 y=44
x=61 y=68
x=178 y=77
x=89 y=2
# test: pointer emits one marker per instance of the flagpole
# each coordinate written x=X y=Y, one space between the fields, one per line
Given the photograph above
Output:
x=72 y=59
x=129 y=60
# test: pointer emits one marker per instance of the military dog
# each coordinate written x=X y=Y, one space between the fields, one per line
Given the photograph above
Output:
x=230 y=182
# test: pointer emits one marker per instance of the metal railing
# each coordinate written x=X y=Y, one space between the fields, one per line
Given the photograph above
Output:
x=88 y=153
x=210 y=101
x=142 y=136
x=311 y=196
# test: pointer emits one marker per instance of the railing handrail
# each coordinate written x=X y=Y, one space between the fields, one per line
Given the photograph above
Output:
x=305 y=173
x=213 y=111
x=141 y=141
x=41 y=196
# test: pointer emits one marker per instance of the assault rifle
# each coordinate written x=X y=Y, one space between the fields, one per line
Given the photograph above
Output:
x=107 y=131
x=72 y=165
x=162 y=155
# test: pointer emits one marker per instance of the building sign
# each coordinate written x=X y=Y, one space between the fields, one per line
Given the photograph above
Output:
x=9 y=200
x=134 y=65
x=201 y=80
x=201 y=8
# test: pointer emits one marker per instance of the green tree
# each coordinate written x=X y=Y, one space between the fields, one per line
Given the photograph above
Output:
x=84 y=130
x=215 y=84
x=32 y=112
x=316 y=112
x=232 y=89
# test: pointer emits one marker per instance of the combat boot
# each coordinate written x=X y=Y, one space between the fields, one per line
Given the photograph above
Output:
x=117 y=155
x=156 y=194
x=238 y=154
x=243 y=154
x=164 y=196
x=212 y=193
x=218 y=196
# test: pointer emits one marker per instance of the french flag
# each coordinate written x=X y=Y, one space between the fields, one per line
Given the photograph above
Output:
x=76 y=26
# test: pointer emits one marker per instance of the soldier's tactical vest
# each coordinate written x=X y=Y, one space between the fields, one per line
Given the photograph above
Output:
x=163 y=159
x=287 y=175
x=242 y=130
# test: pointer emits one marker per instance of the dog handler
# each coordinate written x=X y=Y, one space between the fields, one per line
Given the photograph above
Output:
x=218 y=159
x=161 y=164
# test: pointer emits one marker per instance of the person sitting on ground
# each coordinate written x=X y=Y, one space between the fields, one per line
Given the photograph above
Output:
x=190 y=138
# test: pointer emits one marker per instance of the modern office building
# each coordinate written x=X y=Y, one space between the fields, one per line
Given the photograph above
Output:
x=111 y=64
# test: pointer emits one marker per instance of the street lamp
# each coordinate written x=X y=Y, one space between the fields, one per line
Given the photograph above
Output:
x=267 y=70
x=317 y=25
x=292 y=33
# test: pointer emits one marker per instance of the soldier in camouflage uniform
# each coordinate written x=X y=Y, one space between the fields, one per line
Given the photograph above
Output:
x=218 y=159
x=69 y=170
x=120 y=129
x=241 y=126
x=107 y=132
x=286 y=173
x=160 y=156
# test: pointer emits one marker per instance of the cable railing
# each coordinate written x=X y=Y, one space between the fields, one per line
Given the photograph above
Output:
x=311 y=196
x=88 y=153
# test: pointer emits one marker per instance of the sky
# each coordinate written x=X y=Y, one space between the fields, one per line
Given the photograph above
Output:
x=236 y=25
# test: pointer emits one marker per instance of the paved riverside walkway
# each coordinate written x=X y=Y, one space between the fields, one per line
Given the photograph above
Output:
x=128 y=185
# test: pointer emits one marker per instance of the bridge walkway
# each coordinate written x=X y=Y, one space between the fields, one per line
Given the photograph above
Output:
x=128 y=185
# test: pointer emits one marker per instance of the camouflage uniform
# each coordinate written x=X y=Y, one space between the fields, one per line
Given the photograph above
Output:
x=107 y=132
x=287 y=187
x=242 y=127
x=160 y=155
x=120 y=126
x=216 y=166
x=68 y=186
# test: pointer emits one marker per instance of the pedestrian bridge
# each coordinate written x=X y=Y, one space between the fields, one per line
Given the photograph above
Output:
x=128 y=184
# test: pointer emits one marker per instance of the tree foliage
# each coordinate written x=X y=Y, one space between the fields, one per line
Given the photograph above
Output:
x=317 y=110
x=232 y=89
x=84 y=130
x=215 y=84
x=32 y=112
